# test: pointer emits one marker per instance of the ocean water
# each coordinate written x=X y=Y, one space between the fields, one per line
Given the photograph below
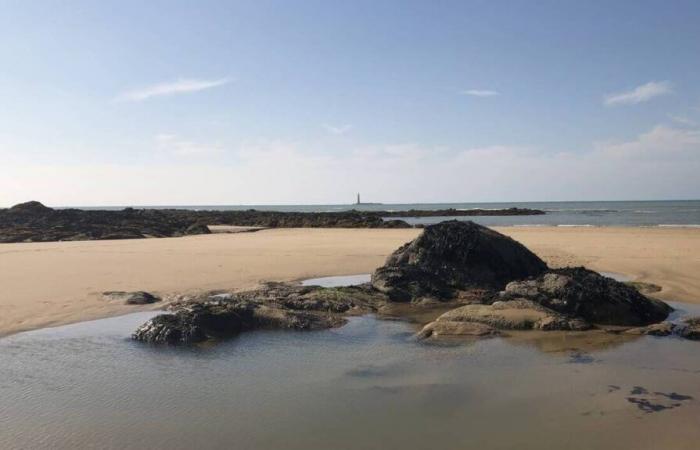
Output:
x=667 y=213
x=366 y=385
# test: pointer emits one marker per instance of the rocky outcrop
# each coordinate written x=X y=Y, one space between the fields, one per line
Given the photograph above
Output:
x=221 y=319
x=691 y=329
x=452 y=256
x=517 y=314
x=131 y=298
x=458 y=262
x=655 y=329
x=34 y=222
x=579 y=292
x=275 y=306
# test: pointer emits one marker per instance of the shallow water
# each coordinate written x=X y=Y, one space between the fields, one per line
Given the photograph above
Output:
x=337 y=281
x=365 y=385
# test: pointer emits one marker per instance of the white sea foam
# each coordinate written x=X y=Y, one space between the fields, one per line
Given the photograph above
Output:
x=679 y=225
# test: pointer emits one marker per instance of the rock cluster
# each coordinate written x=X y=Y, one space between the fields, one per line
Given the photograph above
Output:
x=493 y=283
x=580 y=292
x=34 y=222
x=453 y=256
x=275 y=306
x=688 y=329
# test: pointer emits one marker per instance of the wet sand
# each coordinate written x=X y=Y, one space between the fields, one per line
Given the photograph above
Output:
x=45 y=284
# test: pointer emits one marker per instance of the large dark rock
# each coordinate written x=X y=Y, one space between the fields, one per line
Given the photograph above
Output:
x=274 y=306
x=580 y=292
x=452 y=256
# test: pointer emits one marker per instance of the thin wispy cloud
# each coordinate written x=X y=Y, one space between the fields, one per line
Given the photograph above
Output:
x=175 y=145
x=640 y=94
x=342 y=129
x=683 y=120
x=480 y=93
x=182 y=86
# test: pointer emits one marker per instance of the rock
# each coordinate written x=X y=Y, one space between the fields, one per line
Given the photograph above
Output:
x=512 y=315
x=656 y=329
x=217 y=320
x=31 y=207
x=579 y=292
x=131 y=298
x=197 y=228
x=691 y=329
x=274 y=306
x=447 y=328
x=452 y=256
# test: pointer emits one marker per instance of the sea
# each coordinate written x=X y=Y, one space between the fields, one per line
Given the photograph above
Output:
x=662 y=213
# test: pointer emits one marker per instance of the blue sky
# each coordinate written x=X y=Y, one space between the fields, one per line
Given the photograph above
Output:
x=116 y=103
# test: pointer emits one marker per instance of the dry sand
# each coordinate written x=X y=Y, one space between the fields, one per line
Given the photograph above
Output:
x=46 y=284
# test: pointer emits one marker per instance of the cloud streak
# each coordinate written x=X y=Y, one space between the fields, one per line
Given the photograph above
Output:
x=180 y=147
x=480 y=93
x=342 y=129
x=182 y=86
x=640 y=94
x=662 y=162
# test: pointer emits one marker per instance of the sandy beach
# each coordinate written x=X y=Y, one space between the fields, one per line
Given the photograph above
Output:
x=45 y=284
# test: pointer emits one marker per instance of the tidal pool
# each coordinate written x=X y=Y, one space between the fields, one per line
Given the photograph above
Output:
x=366 y=385
x=337 y=281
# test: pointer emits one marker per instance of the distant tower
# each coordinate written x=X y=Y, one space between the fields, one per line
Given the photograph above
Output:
x=358 y=198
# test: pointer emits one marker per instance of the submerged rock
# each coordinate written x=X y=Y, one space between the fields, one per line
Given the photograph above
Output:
x=517 y=314
x=449 y=328
x=580 y=292
x=131 y=298
x=656 y=329
x=691 y=329
x=452 y=256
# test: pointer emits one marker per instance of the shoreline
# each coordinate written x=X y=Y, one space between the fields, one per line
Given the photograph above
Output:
x=57 y=283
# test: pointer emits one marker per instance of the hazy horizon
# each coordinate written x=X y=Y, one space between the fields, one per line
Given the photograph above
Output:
x=370 y=202
x=272 y=102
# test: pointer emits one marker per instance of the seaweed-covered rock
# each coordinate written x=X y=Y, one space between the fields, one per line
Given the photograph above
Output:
x=655 y=329
x=274 y=306
x=452 y=256
x=451 y=328
x=218 y=319
x=691 y=329
x=579 y=292
x=505 y=315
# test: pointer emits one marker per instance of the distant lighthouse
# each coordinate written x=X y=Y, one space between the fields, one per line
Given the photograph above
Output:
x=358 y=199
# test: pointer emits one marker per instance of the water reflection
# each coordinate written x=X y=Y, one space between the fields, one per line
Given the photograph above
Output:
x=364 y=385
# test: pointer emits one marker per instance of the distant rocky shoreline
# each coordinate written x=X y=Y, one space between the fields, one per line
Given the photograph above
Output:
x=486 y=284
x=34 y=222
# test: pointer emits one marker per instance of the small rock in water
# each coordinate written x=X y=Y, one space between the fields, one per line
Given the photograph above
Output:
x=656 y=329
x=692 y=329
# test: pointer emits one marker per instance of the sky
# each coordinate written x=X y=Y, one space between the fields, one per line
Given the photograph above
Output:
x=308 y=102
